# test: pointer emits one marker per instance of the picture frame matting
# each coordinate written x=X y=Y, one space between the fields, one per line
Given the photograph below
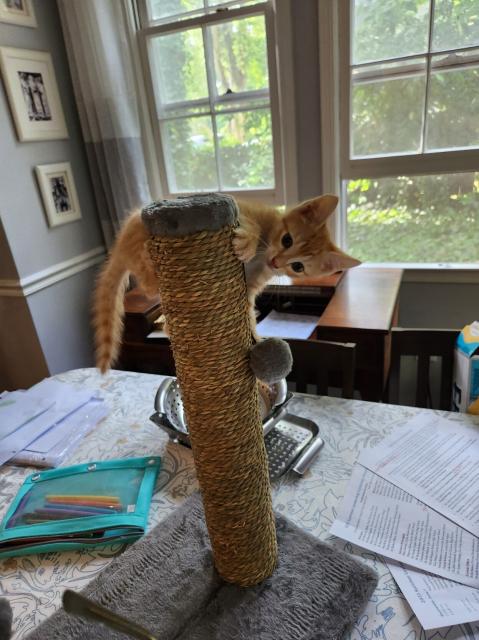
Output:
x=19 y=12
x=59 y=194
x=32 y=90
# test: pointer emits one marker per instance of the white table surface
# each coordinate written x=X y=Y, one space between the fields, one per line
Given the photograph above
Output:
x=33 y=584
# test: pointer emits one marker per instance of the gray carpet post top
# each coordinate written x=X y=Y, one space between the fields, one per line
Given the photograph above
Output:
x=190 y=214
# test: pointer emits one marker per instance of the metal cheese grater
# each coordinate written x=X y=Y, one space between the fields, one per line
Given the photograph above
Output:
x=291 y=442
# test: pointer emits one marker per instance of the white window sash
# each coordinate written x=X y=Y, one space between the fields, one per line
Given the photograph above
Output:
x=159 y=115
x=376 y=166
x=147 y=21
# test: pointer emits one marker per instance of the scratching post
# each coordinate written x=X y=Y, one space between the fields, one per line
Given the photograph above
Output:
x=203 y=296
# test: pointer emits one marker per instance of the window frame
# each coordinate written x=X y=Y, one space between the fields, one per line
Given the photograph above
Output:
x=338 y=166
x=447 y=161
x=145 y=30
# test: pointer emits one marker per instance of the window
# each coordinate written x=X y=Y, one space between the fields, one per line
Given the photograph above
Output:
x=213 y=95
x=409 y=135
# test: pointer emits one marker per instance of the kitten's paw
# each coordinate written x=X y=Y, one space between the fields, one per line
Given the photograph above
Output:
x=244 y=246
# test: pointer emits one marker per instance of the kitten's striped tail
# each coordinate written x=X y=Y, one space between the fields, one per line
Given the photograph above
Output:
x=108 y=311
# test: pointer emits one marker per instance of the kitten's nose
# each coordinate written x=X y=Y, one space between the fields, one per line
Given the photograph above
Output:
x=274 y=264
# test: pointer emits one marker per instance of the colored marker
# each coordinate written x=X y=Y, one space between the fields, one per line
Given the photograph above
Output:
x=82 y=498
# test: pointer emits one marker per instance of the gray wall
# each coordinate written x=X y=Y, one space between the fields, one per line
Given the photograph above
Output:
x=58 y=314
x=304 y=25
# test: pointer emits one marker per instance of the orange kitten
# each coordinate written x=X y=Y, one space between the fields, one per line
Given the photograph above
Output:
x=296 y=243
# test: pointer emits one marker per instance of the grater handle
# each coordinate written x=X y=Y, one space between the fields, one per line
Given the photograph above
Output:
x=303 y=462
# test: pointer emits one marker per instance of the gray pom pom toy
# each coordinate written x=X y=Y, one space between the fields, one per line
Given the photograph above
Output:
x=271 y=360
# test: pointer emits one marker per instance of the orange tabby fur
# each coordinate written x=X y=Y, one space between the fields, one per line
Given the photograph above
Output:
x=258 y=243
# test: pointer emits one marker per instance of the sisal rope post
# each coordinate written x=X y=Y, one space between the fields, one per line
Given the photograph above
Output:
x=203 y=296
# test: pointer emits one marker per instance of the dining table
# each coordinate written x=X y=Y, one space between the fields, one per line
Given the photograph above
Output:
x=33 y=584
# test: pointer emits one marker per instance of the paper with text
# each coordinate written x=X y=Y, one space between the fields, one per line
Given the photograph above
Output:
x=437 y=602
x=379 y=516
x=287 y=325
x=436 y=460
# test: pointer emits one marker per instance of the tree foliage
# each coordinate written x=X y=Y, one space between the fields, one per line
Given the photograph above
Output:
x=414 y=218
x=215 y=144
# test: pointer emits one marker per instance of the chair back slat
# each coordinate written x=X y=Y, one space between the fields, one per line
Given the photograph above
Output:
x=323 y=364
x=445 y=392
x=322 y=386
x=424 y=344
x=422 y=382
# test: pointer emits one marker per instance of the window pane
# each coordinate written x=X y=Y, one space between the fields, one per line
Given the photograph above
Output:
x=387 y=112
x=384 y=29
x=159 y=9
x=178 y=66
x=240 y=60
x=190 y=155
x=456 y=24
x=414 y=219
x=246 y=150
x=453 y=107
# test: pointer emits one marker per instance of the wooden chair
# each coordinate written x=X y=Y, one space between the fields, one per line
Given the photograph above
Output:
x=323 y=364
x=424 y=344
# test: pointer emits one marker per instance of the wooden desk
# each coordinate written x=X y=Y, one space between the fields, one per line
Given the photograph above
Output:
x=363 y=310
x=358 y=306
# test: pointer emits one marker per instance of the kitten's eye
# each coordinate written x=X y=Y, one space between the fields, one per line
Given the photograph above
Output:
x=287 y=241
x=297 y=266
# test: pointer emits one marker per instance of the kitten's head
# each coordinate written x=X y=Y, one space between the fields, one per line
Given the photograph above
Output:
x=302 y=246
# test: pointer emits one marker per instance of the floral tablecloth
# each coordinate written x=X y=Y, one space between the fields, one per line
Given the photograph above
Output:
x=33 y=584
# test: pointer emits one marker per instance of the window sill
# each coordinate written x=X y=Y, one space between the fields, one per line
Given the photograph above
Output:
x=433 y=272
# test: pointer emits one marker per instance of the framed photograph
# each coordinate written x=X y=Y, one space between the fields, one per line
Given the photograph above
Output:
x=33 y=94
x=18 y=12
x=58 y=193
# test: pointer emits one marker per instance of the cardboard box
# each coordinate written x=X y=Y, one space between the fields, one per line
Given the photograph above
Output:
x=466 y=368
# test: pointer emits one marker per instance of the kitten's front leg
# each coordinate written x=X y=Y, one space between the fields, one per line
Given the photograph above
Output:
x=245 y=244
x=253 y=326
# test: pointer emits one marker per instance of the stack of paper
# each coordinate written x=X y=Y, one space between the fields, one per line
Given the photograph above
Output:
x=39 y=426
x=415 y=500
x=287 y=325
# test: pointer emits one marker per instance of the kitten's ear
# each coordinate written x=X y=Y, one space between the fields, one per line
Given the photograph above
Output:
x=338 y=261
x=319 y=209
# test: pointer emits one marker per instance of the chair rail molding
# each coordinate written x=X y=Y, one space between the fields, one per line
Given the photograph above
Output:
x=44 y=278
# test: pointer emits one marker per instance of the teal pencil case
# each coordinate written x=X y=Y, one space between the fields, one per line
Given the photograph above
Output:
x=86 y=505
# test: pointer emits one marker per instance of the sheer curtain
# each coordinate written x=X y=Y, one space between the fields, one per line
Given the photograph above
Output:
x=99 y=54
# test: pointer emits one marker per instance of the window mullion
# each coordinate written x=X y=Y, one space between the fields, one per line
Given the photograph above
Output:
x=457 y=161
x=210 y=76
x=432 y=6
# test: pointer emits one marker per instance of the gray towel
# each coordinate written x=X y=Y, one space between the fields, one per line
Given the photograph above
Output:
x=167 y=583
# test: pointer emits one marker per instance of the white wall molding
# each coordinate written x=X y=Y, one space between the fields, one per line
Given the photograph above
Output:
x=35 y=282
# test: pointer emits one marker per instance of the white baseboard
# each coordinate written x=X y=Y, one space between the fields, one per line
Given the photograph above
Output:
x=23 y=287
